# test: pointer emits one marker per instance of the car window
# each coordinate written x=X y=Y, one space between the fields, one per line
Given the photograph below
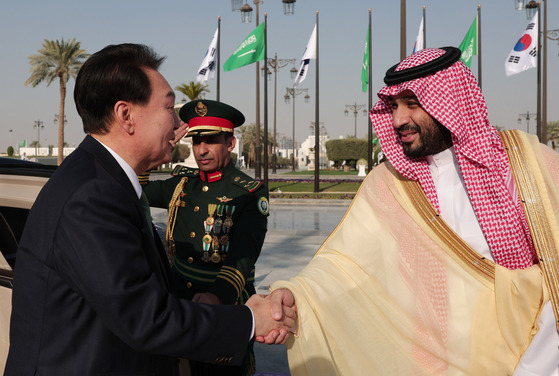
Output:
x=12 y=221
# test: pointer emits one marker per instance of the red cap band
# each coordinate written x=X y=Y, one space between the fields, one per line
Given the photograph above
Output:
x=210 y=121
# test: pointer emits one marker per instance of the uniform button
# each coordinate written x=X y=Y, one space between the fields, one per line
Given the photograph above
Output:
x=196 y=208
x=188 y=285
x=192 y=234
x=190 y=260
x=205 y=188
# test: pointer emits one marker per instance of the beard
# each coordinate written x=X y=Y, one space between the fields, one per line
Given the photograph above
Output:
x=431 y=140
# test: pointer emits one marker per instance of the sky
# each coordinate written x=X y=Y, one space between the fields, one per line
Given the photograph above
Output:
x=182 y=31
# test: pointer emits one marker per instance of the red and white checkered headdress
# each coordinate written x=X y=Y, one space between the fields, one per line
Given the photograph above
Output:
x=451 y=95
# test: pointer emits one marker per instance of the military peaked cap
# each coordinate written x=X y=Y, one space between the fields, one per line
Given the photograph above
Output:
x=207 y=117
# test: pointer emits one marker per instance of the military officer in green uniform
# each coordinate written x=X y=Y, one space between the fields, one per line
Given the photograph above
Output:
x=217 y=218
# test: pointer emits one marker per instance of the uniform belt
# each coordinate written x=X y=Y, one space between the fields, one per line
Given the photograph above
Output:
x=199 y=273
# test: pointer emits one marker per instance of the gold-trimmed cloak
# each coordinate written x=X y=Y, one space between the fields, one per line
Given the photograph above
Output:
x=394 y=291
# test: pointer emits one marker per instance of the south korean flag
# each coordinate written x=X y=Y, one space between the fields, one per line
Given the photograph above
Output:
x=207 y=68
x=524 y=54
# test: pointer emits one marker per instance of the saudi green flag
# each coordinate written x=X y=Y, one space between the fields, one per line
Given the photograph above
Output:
x=248 y=52
x=23 y=144
x=365 y=69
x=469 y=44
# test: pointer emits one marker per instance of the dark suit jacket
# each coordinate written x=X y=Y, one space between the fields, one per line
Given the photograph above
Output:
x=91 y=290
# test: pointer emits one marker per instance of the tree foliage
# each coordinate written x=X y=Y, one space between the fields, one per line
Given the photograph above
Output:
x=348 y=150
x=247 y=135
x=10 y=151
x=194 y=90
x=553 y=133
x=180 y=153
x=57 y=59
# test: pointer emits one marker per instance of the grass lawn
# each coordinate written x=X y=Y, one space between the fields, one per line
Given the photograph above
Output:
x=323 y=173
x=293 y=186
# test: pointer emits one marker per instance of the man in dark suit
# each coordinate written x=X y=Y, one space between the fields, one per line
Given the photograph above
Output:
x=92 y=293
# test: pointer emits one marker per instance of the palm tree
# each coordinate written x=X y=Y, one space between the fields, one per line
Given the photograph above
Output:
x=57 y=59
x=194 y=90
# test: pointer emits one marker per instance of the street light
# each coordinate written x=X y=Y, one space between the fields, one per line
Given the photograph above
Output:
x=246 y=17
x=292 y=92
x=246 y=10
x=288 y=7
x=38 y=124
x=322 y=132
x=236 y=5
x=56 y=117
x=355 y=107
x=526 y=116
x=530 y=7
x=55 y=121
x=276 y=64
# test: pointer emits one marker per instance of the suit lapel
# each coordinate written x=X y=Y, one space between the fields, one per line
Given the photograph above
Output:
x=155 y=254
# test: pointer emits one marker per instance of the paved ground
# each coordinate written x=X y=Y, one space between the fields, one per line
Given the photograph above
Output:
x=295 y=232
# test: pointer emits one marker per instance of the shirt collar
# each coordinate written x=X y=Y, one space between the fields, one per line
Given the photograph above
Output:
x=128 y=170
x=442 y=158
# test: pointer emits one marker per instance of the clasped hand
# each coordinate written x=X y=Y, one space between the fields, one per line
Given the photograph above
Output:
x=274 y=316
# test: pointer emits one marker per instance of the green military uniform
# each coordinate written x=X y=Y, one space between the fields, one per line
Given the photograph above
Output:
x=217 y=222
x=219 y=228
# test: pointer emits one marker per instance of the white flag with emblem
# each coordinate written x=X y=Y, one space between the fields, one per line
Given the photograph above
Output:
x=525 y=52
x=419 y=42
x=207 y=68
x=310 y=53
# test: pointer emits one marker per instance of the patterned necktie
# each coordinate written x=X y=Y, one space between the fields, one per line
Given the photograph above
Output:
x=147 y=212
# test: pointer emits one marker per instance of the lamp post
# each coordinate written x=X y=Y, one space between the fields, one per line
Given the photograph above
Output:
x=38 y=124
x=531 y=7
x=527 y=116
x=246 y=17
x=55 y=121
x=321 y=132
x=402 y=29
x=355 y=107
x=276 y=64
x=292 y=92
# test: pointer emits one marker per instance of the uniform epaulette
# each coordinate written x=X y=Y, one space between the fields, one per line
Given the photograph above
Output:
x=185 y=171
x=250 y=185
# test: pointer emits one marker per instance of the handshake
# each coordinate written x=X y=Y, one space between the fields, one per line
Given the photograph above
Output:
x=274 y=316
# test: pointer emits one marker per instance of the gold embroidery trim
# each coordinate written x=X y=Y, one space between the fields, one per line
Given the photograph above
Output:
x=172 y=219
x=540 y=229
x=482 y=265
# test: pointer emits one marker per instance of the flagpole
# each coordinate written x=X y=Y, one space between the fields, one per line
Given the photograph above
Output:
x=543 y=138
x=478 y=43
x=402 y=29
x=539 y=80
x=266 y=99
x=424 y=29
x=370 y=94
x=218 y=59
x=257 y=146
x=316 y=122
